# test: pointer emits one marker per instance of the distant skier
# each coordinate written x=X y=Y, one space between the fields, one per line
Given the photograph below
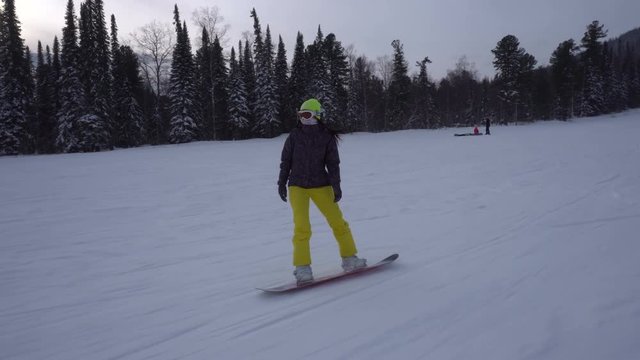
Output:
x=310 y=165
x=476 y=131
x=487 y=124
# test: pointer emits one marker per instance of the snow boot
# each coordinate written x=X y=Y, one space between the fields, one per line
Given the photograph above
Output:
x=303 y=274
x=353 y=263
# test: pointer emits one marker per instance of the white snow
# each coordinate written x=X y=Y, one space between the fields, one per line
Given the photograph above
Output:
x=519 y=245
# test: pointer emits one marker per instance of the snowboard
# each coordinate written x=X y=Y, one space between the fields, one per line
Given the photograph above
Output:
x=328 y=278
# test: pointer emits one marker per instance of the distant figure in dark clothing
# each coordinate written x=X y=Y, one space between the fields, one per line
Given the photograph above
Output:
x=487 y=124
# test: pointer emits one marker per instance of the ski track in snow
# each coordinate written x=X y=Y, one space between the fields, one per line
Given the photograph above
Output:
x=519 y=245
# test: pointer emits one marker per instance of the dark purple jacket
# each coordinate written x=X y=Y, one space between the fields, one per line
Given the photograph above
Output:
x=310 y=158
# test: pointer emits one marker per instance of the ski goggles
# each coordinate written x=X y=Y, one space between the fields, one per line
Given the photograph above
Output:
x=306 y=114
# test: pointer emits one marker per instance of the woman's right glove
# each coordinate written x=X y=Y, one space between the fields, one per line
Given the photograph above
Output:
x=282 y=190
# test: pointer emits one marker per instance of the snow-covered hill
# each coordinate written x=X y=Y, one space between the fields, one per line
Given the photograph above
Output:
x=519 y=245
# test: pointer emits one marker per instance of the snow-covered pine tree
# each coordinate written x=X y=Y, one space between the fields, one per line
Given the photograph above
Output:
x=220 y=78
x=132 y=130
x=615 y=90
x=182 y=93
x=52 y=79
x=238 y=109
x=507 y=64
x=619 y=97
x=94 y=126
x=204 y=70
x=101 y=72
x=55 y=74
x=362 y=102
x=29 y=73
x=86 y=42
x=542 y=99
x=564 y=65
x=593 y=97
x=526 y=85
x=514 y=67
x=376 y=102
x=249 y=74
x=355 y=109
x=44 y=104
x=115 y=46
x=14 y=97
x=72 y=97
x=128 y=118
x=266 y=122
x=319 y=83
x=299 y=76
x=593 y=91
x=399 y=90
x=423 y=104
x=31 y=120
x=213 y=88
x=630 y=71
x=338 y=75
x=2 y=30
x=635 y=85
x=286 y=112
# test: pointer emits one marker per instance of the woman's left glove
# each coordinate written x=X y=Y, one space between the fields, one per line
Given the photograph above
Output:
x=337 y=193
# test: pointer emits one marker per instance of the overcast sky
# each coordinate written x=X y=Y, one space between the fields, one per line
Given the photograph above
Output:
x=443 y=30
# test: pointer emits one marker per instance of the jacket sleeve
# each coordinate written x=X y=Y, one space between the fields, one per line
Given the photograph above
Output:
x=285 y=161
x=332 y=161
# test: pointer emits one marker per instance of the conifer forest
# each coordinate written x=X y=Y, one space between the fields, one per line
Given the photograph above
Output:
x=86 y=90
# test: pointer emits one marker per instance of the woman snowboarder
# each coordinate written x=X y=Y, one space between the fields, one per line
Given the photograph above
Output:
x=310 y=166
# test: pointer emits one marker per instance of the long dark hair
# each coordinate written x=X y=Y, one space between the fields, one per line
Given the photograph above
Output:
x=336 y=133
x=333 y=131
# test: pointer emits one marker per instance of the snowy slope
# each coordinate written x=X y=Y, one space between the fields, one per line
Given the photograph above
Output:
x=519 y=245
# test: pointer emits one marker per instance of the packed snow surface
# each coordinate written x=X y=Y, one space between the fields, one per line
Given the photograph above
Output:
x=519 y=245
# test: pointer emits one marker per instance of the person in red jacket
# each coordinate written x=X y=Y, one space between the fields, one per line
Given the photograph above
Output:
x=476 y=131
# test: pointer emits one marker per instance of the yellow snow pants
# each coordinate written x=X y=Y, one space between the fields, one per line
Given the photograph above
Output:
x=323 y=198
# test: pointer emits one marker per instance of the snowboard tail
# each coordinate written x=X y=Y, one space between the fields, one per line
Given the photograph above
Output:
x=328 y=278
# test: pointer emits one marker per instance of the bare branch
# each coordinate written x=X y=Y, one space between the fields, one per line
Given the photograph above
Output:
x=385 y=69
x=350 y=53
x=210 y=19
x=249 y=37
x=154 y=45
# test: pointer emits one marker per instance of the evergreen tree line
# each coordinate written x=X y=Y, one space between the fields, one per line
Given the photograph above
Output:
x=87 y=92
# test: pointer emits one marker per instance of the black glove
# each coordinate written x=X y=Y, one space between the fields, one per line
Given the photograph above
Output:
x=282 y=190
x=337 y=193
